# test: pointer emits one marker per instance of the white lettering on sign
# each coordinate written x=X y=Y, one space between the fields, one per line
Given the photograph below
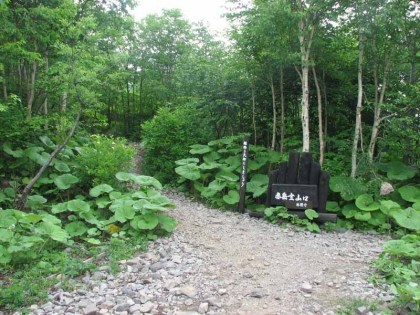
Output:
x=244 y=158
x=291 y=197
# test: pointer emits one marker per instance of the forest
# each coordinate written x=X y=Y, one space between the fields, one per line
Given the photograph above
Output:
x=81 y=81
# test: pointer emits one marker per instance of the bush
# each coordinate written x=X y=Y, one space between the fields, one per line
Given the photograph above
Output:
x=167 y=138
x=100 y=160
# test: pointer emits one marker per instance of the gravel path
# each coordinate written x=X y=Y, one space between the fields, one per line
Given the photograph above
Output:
x=227 y=263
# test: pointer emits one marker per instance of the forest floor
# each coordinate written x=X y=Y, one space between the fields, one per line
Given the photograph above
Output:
x=219 y=262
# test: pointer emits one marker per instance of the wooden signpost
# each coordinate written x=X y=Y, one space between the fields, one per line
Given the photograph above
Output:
x=242 y=186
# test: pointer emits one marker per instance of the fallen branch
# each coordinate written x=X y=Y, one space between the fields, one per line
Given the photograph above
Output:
x=20 y=204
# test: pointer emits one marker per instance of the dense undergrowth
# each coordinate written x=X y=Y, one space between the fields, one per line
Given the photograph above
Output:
x=85 y=204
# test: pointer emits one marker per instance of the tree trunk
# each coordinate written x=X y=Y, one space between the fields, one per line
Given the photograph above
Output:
x=254 y=124
x=377 y=111
x=282 y=127
x=31 y=89
x=305 y=50
x=358 y=124
x=63 y=106
x=325 y=110
x=5 y=96
x=273 y=97
x=320 y=125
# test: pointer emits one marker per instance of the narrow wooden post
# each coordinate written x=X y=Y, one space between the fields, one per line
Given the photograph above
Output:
x=242 y=187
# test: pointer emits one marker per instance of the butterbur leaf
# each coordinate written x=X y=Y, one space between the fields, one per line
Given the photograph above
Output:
x=365 y=202
x=408 y=218
x=187 y=161
x=76 y=228
x=362 y=216
x=228 y=176
x=189 y=171
x=349 y=210
x=59 y=207
x=348 y=187
x=77 y=205
x=7 y=219
x=332 y=206
x=47 y=141
x=53 y=231
x=377 y=218
x=36 y=200
x=410 y=193
x=217 y=185
x=5 y=256
x=399 y=171
x=32 y=218
x=257 y=189
x=65 y=181
x=269 y=212
x=232 y=197
x=260 y=179
x=209 y=166
x=98 y=190
x=5 y=235
x=145 y=222
x=124 y=213
x=200 y=149
x=167 y=223
x=93 y=241
x=62 y=167
x=148 y=181
x=211 y=157
x=387 y=206
x=8 y=149
x=311 y=214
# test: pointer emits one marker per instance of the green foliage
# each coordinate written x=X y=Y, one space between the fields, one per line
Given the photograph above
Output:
x=167 y=138
x=214 y=173
x=101 y=159
x=399 y=266
x=279 y=215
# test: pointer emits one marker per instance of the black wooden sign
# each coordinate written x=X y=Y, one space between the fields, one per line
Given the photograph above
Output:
x=242 y=187
x=294 y=196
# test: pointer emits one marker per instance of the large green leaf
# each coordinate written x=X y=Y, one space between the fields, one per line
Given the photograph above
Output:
x=362 y=216
x=148 y=181
x=15 y=153
x=7 y=219
x=59 y=208
x=209 y=166
x=167 y=223
x=47 y=141
x=5 y=256
x=256 y=189
x=187 y=161
x=35 y=201
x=232 y=197
x=53 y=231
x=228 y=176
x=407 y=218
x=211 y=157
x=200 y=149
x=5 y=235
x=377 y=218
x=348 y=187
x=410 y=193
x=145 y=222
x=365 y=202
x=61 y=167
x=189 y=171
x=311 y=214
x=31 y=218
x=65 y=181
x=124 y=213
x=332 y=206
x=349 y=210
x=98 y=190
x=76 y=228
x=77 y=205
x=217 y=185
x=388 y=206
x=399 y=171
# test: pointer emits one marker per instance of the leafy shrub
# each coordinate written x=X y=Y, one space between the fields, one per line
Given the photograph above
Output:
x=214 y=171
x=101 y=159
x=352 y=199
x=167 y=138
x=398 y=266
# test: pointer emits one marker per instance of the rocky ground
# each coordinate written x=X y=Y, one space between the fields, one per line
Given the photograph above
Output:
x=227 y=263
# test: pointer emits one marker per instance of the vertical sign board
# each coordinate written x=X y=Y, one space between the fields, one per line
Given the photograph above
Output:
x=242 y=186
